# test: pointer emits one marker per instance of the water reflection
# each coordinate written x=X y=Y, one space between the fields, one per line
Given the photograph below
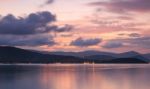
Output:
x=74 y=76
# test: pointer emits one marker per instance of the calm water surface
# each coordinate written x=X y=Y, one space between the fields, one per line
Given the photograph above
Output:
x=67 y=76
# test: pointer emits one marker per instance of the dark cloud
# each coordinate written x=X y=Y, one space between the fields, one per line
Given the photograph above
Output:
x=134 y=35
x=37 y=40
x=85 y=42
x=124 y=5
x=49 y=1
x=65 y=28
x=32 y=30
x=143 y=42
x=113 y=44
x=137 y=42
x=34 y=23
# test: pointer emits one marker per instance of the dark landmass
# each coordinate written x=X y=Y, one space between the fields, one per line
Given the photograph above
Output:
x=81 y=54
x=125 y=60
x=17 y=55
x=147 y=56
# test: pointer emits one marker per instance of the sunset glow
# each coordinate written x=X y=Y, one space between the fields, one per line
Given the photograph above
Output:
x=76 y=25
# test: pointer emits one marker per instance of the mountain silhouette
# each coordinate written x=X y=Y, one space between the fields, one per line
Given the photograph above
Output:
x=128 y=54
x=125 y=60
x=147 y=56
x=17 y=55
x=83 y=53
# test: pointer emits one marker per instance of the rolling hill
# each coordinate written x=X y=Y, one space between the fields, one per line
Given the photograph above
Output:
x=17 y=55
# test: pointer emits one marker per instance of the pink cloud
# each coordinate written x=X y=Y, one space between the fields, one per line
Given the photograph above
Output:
x=124 y=5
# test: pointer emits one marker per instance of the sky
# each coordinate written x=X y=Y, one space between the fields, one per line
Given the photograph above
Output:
x=76 y=25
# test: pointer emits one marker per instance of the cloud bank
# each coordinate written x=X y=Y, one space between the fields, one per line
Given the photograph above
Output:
x=85 y=42
x=33 y=30
x=132 y=42
x=34 y=23
x=124 y=5
x=36 y=40
x=113 y=44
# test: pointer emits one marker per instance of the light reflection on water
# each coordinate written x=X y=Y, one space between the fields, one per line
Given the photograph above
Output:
x=75 y=76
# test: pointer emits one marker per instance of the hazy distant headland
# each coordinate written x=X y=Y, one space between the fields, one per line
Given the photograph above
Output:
x=16 y=55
